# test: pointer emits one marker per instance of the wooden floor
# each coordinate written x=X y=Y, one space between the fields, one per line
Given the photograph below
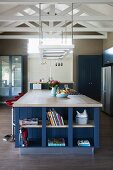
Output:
x=10 y=159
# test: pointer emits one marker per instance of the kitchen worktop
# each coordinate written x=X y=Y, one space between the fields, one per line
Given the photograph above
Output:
x=43 y=98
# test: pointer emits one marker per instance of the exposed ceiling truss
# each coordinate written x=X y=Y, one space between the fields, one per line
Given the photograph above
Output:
x=92 y=19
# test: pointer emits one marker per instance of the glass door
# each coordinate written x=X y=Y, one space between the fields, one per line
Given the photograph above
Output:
x=16 y=75
x=5 y=82
x=11 y=79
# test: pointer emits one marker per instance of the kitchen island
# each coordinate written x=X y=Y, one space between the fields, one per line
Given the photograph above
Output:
x=37 y=103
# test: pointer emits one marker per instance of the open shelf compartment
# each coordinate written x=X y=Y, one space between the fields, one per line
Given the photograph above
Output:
x=83 y=134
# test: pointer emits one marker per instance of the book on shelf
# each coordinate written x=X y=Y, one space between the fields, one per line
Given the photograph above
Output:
x=32 y=121
x=55 y=118
x=83 y=143
x=50 y=118
x=62 y=120
x=58 y=120
x=56 y=142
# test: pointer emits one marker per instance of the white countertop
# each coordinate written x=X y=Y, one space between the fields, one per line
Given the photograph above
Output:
x=43 y=98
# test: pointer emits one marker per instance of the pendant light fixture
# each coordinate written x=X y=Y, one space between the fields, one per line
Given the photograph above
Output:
x=54 y=51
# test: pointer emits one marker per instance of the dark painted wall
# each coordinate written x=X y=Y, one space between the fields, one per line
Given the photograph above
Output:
x=13 y=47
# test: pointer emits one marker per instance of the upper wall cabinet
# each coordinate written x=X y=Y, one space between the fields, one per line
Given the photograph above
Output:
x=13 y=79
x=89 y=75
x=108 y=57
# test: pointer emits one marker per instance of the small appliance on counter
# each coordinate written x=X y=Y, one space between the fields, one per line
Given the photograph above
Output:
x=82 y=118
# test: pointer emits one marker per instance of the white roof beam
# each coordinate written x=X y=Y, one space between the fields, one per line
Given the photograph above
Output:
x=12 y=24
x=53 y=29
x=69 y=9
x=57 y=35
x=23 y=13
x=52 y=12
x=56 y=18
x=60 y=24
x=52 y=9
x=52 y=1
x=66 y=11
x=70 y=25
x=90 y=12
x=44 y=25
x=37 y=10
x=86 y=24
x=30 y=25
x=79 y=13
x=36 y=36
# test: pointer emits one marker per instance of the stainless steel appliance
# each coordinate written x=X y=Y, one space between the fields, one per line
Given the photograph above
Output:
x=107 y=90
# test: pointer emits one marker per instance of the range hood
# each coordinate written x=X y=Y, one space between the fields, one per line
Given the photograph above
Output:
x=55 y=51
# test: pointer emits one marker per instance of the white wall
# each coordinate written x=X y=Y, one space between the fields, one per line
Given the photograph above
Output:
x=37 y=71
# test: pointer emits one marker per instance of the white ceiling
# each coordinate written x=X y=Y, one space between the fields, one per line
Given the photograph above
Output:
x=92 y=19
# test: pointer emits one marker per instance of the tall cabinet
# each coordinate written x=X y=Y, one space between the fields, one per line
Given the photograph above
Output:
x=89 y=75
x=13 y=76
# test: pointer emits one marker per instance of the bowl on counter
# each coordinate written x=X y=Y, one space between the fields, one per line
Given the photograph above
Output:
x=61 y=95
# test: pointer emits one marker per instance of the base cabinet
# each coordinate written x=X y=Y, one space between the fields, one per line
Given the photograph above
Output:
x=41 y=136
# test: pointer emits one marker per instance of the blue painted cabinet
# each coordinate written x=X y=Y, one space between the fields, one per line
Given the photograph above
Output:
x=38 y=135
x=89 y=75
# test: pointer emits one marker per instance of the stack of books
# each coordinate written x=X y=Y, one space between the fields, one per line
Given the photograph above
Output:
x=83 y=143
x=56 y=142
x=55 y=118
x=32 y=121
